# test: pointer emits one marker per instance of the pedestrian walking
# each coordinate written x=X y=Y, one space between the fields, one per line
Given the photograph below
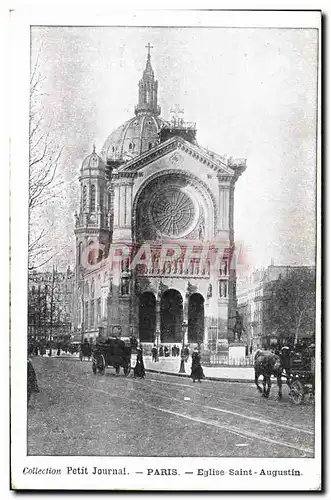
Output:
x=154 y=353
x=196 y=369
x=32 y=384
x=161 y=351
x=139 y=369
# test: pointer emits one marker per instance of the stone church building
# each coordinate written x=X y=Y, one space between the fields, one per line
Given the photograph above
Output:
x=154 y=232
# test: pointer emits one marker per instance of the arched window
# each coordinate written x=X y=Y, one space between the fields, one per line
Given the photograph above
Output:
x=84 y=197
x=92 y=198
x=80 y=253
x=101 y=197
x=92 y=313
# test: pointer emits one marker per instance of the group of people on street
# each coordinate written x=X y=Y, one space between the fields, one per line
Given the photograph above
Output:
x=164 y=351
x=196 y=368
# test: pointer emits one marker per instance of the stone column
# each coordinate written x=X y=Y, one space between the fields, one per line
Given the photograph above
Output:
x=123 y=209
x=158 y=321
x=129 y=188
x=122 y=206
x=185 y=319
x=224 y=203
x=116 y=204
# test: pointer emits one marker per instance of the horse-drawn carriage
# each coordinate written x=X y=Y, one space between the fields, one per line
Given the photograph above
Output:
x=298 y=368
x=301 y=376
x=112 y=352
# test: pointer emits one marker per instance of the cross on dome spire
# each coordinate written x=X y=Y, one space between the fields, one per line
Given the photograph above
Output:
x=149 y=47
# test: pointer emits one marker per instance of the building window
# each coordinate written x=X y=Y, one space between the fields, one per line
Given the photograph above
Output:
x=101 y=197
x=92 y=288
x=150 y=145
x=92 y=198
x=125 y=286
x=84 y=197
x=223 y=289
x=92 y=319
x=98 y=311
x=86 y=314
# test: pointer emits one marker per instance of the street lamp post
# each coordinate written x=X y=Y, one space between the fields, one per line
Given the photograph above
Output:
x=182 y=356
x=157 y=345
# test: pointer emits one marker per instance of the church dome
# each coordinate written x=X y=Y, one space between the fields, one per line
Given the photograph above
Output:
x=93 y=162
x=135 y=136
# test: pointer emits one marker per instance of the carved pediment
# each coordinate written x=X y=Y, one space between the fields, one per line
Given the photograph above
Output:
x=176 y=149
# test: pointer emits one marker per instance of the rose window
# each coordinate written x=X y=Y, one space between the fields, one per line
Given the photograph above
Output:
x=173 y=212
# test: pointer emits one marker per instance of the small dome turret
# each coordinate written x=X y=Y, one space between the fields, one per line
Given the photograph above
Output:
x=93 y=162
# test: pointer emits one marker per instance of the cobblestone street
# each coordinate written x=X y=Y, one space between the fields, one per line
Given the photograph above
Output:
x=78 y=413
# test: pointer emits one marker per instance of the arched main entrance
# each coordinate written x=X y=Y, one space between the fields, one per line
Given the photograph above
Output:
x=196 y=318
x=147 y=317
x=171 y=316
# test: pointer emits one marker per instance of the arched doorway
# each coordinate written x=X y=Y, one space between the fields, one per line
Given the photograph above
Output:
x=196 y=318
x=147 y=317
x=171 y=316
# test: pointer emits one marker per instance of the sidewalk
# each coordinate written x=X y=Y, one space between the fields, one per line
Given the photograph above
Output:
x=170 y=366
x=222 y=373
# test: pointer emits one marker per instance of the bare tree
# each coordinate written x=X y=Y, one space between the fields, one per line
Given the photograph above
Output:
x=44 y=159
x=290 y=307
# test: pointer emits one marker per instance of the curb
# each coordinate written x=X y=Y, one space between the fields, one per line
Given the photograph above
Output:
x=174 y=374
x=214 y=379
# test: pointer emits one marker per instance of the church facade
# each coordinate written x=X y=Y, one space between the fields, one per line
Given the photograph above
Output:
x=154 y=233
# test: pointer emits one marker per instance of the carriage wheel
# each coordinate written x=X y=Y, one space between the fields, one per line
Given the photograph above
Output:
x=102 y=365
x=296 y=392
x=94 y=366
x=127 y=370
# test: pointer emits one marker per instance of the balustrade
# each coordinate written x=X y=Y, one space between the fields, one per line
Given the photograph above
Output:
x=177 y=268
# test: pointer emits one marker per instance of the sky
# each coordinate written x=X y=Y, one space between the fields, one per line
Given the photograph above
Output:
x=251 y=92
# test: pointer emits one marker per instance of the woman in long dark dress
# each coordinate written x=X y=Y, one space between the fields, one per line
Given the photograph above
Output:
x=139 y=369
x=32 y=380
x=196 y=369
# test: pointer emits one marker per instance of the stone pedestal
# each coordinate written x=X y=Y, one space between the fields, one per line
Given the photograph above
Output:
x=237 y=353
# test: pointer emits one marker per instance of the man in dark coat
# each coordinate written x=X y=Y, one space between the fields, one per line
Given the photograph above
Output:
x=32 y=384
x=154 y=353
x=139 y=369
x=196 y=369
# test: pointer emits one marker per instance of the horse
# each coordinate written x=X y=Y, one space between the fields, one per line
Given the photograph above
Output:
x=267 y=363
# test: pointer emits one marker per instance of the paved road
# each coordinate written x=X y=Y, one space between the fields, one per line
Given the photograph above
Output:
x=78 y=413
